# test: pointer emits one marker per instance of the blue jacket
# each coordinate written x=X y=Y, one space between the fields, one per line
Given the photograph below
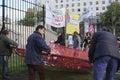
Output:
x=103 y=43
x=35 y=46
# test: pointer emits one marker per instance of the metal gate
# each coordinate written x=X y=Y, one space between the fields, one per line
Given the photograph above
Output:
x=20 y=17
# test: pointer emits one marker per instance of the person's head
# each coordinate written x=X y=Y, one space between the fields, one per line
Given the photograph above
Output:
x=105 y=29
x=6 y=33
x=75 y=33
x=88 y=34
x=40 y=29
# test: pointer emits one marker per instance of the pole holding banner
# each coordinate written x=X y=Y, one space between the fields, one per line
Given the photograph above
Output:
x=3 y=15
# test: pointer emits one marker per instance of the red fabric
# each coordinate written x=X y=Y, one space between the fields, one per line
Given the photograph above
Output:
x=63 y=57
x=68 y=52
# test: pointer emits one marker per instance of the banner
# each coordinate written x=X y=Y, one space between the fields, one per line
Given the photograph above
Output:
x=86 y=14
x=86 y=27
x=68 y=52
x=72 y=23
x=91 y=29
x=55 y=18
x=72 y=18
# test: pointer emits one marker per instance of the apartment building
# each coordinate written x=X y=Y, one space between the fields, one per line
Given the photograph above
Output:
x=79 y=6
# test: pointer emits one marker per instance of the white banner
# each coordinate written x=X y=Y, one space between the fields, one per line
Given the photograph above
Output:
x=86 y=14
x=55 y=18
x=86 y=27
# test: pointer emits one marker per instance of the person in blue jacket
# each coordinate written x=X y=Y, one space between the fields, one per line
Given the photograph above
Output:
x=104 y=54
x=33 y=56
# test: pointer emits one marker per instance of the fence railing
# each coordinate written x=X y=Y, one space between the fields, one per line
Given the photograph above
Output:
x=20 y=18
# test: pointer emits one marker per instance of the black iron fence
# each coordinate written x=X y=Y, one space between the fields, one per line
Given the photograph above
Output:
x=20 y=18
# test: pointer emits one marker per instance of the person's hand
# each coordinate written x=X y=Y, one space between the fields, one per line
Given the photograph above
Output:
x=52 y=41
x=44 y=52
x=13 y=46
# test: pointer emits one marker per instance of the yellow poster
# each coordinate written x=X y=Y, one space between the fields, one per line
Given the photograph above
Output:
x=72 y=23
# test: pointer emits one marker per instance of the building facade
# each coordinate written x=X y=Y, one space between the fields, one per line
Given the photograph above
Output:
x=80 y=6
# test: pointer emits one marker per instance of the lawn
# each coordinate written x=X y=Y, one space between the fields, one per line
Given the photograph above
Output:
x=67 y=75
x=16 y=65
x=60 y=75
x=72 y=75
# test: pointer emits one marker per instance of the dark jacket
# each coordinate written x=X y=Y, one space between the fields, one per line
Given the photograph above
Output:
x=5 y=48
x=35 y=46
x=61 y=40
x=76 y=42
x=103 y=43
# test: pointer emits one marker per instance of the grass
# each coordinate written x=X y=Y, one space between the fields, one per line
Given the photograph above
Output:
x=64 y=75
x=16 y=65
x=72 y=75
x=56 y=74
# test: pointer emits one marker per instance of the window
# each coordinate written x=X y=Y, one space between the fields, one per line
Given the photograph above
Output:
x=97 y=3
x=61 y=5
x=97 y=14
x=73 y=5
x=78 y=4
x=91 y=3
x=73 y=10
x=84 y=9
x=103 y=2
x=56 y=1
x=103 y=8
x=61 y=1
x=97 y=8
x=110 y=1
x=56 y=6
x=67 y=5
x=78 y=10
x=84 y=4
x=67 y=0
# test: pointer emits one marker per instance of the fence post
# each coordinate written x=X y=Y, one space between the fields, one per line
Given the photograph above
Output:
x=3 y=15
x=43 y=15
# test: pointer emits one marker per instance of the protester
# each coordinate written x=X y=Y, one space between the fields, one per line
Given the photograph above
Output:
x=86 y=41
x=76 y=41
x=70 y=41
x=104 y=54
x=6 y=45
x=60 y=39
x=33 y=56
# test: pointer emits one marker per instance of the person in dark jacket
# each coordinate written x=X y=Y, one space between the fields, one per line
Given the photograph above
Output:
x=104 y=54
x=33 y=56
x=76 y=40
x=60 y=39
x=5 y=51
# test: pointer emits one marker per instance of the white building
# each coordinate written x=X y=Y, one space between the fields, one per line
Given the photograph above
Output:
x=79 y=6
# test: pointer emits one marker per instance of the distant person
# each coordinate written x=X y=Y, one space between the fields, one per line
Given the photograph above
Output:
x=70 y=41
x=76 y=40
x=61 y=39
x=86 y=41
x=104 y=54
x=6 y=45
x=33 y=56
